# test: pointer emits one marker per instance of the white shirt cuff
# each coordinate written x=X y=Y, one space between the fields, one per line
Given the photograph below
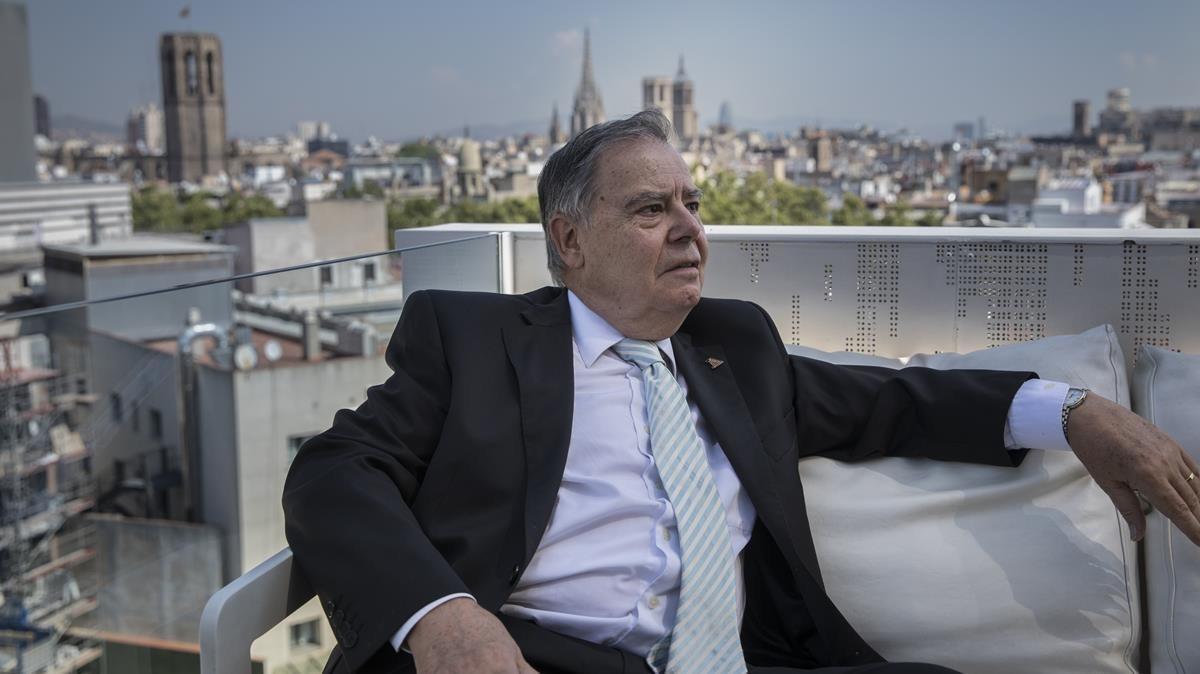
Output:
x=402 y=634
x=1035 y=417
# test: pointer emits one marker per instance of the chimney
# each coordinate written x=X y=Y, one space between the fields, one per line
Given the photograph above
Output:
x=93 y=225
x=311 y=336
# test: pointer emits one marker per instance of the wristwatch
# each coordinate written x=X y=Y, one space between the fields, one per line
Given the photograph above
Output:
x=1075 y=397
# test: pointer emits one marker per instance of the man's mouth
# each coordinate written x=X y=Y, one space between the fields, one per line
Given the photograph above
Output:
x=690 y=264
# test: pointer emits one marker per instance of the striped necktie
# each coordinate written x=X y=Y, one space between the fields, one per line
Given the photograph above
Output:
x=705 y=637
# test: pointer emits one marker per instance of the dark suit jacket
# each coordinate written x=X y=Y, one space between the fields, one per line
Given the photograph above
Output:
x=443 y=481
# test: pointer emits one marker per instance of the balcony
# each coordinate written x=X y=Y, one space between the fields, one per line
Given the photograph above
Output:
x=196 y=386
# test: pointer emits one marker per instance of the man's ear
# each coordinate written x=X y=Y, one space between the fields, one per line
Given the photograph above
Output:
x=564 y=232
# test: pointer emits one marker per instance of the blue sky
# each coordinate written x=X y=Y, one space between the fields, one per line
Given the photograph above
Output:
x=399 y=69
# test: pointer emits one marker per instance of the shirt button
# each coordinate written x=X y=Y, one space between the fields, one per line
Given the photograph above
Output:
x=666 y=534
x=653 y=602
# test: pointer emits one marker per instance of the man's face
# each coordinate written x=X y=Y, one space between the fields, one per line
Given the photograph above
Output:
x=644 y=250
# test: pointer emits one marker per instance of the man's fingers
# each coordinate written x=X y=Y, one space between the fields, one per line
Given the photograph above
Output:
x=1191 y=488
x=1171 y=500
x=1130 y=508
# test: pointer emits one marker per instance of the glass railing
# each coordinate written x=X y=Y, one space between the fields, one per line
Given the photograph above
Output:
x=153 y=396
x=149 y=410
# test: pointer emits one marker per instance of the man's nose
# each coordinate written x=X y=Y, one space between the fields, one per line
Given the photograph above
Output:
x=685 y=224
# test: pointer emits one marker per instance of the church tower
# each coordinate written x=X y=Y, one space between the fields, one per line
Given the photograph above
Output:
x=588 y=109
x=193 y=87
x=556 y=132
x=687 y=126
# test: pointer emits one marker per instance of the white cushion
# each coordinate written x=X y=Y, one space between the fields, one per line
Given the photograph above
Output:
x=1166 y=390
x=981 y=568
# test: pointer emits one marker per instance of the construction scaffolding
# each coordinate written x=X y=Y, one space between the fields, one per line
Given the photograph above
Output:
x=47 y=550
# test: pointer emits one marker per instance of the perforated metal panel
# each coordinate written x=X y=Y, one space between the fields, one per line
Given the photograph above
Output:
x=899 y=291
x=931 y=294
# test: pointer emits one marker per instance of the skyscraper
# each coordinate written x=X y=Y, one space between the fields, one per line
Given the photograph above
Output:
x=589 y=108
x=16 y=103
x=725 y=118
x=193 y=86
x=144 y=130
x=41 y=116
x=1082 y=119
x=687 y=125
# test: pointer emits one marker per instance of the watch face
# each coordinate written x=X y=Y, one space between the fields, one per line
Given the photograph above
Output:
x=1075 y=396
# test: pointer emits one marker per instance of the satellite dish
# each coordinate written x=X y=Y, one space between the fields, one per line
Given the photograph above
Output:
x=245 y=357
x=273 y=350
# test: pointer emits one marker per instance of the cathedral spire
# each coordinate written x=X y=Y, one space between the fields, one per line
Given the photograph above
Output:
x=682 y=74
x=556 y=134
x=587 y=81
x=589 y=108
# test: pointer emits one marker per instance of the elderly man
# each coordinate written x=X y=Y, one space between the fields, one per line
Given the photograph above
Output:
x=602 y=477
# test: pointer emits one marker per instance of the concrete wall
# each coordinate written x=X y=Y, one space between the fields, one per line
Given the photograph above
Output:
x=343 y=227
x=217 y=456
x=155 y=577
x=274 y=404
x=163 y=314
x=282 y=242
x=146 y=380
x=16 y=104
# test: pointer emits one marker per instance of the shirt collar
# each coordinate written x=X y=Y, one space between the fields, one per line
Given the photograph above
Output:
x=594 y=335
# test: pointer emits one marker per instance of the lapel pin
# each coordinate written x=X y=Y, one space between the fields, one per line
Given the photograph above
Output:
x=714 y=363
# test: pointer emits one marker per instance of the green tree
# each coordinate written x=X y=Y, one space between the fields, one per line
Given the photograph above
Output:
x=239 y=208
x=853 y=213
x=200 y=214
x=758 y=200
x=422 y=150
x=897 y=215
x=930 y=219
x=405 y=213
x=155 y=210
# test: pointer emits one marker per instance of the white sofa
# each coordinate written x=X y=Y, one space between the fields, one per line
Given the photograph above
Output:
x=991 y=570
x=988 y=570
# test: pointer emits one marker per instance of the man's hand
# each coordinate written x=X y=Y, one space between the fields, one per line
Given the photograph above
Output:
x=459 y=636
x=1124 y=452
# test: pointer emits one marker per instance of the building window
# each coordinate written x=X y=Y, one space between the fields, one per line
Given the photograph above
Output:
x=293 y=446
x=368 y=272
x=114 y=403
x=208 y=70
x=169 y=69
x=306 y=634
x=190 y=76
x=155 y=424
x=134 y=416
x=326 y=276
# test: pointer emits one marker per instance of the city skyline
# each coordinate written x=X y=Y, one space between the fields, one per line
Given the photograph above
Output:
x=404 y=72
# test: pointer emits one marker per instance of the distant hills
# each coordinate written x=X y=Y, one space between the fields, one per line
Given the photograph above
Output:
x=77 y=126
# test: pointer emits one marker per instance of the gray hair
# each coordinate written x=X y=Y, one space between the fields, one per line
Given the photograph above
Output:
x=568 y=179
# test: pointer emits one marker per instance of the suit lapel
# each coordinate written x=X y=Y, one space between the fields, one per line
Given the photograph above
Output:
x=540 y=353
x=716 y=392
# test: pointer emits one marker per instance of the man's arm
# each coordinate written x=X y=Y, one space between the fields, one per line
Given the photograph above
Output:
x=864 y=412
x=347 y=495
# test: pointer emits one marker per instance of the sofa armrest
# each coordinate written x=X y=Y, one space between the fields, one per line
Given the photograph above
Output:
x=247 y=608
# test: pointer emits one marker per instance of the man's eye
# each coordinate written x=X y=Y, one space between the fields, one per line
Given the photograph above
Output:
x=694 y=206
x=652 y=209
